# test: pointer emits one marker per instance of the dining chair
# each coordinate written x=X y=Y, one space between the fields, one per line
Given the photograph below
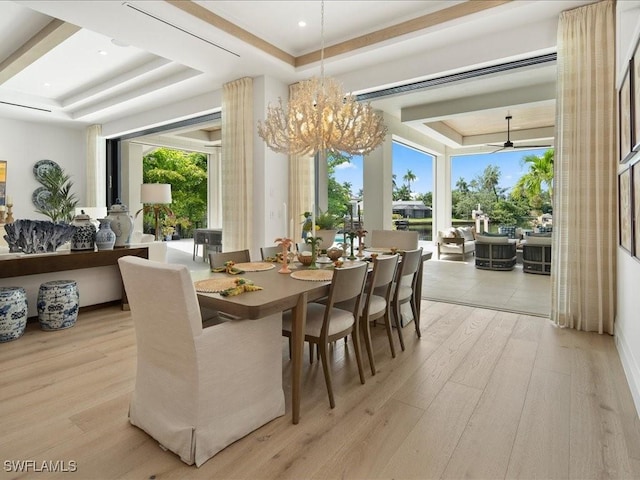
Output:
x=326 y=323
x=217 y=260
x=303 y=247
x=197 y=389
x=404 y=289
x=266 y=252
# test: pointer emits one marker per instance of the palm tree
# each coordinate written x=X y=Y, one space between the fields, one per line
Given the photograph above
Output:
x=409 y=177
x=540 y=175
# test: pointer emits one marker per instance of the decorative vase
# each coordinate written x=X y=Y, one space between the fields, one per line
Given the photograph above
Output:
x=13 y=313
x=84 y=238
x=105 y=237
x=121 y=223
x=328 y=237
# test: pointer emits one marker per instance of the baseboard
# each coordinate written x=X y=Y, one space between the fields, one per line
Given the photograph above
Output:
x=630 y=367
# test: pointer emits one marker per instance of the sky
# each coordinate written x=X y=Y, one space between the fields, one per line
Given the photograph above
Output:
x=421 y=164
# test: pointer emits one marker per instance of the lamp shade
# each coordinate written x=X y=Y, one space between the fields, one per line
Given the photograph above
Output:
x=155 y=193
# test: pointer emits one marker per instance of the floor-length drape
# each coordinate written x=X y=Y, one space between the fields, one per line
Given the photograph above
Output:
x=583 y=275
x=96 y=189
x=301 y=182
x=237 y=164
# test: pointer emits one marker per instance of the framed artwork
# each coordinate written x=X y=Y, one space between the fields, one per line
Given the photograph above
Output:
x=624 y=209
x=624 y=110
x=635 y=208
x=3 y=181
x=635 y=85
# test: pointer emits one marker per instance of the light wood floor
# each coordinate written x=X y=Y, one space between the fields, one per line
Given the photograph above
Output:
x=483 y=394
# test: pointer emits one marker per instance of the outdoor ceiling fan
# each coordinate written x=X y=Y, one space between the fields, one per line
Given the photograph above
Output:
x=509 y=143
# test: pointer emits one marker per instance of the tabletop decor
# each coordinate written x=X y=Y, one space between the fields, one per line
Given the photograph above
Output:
x=351 y=235
x=314 y=242
x=285 y=243
x=241 y=285
x=214 y=285
x=37 y=236
x=229 y=267
x=318 y=275
x=254 y=266
x=361 y=234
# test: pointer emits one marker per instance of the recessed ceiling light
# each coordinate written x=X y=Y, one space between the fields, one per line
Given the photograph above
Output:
x=302 y=23
x=102 y=52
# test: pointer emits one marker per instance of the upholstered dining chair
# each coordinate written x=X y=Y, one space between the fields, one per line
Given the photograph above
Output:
x=266 y=252
x=326 y=323
x=217 y=260
x=376 y=302
x=197 y=390
x=405 y=286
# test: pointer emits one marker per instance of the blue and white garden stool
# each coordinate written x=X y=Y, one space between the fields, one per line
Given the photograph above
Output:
x=58 y=303
x=13 y=313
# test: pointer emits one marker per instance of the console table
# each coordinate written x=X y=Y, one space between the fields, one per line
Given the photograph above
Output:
x=96 y=272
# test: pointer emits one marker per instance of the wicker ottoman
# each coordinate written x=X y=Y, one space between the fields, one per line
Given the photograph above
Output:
x=58 y=303
x=13 y=313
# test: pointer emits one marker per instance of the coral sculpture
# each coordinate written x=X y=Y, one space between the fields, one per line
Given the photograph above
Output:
x=37 y=236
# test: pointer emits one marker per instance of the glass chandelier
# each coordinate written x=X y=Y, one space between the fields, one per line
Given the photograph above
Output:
x=320 y=117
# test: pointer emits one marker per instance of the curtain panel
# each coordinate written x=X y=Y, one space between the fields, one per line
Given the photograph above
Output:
x=301 y=185
x=96 y=189
x=237 y=164
x=583 y=272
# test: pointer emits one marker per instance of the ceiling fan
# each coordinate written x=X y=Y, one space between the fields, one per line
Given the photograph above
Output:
x=509 y=143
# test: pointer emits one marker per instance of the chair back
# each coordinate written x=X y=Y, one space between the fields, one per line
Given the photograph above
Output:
x=217 y=260
x=303 y=247
x=165 y=312
x=384 y=272
x=400 y=239
x=346 y=284
x=409 y=267
x=266 y=252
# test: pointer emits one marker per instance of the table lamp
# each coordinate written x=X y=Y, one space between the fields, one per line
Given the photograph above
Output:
x=156 y=197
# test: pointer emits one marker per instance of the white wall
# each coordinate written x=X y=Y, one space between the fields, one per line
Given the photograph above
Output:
x=22 y=144
x=627 y=326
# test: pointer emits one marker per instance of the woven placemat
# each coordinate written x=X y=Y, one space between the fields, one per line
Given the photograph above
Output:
x=254 y=266
x=313 y=275
x=214 y=285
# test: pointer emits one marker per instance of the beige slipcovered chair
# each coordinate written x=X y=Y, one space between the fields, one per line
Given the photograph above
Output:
x=400 y=239
x=197 y=390
x=217 y=260
x=266 y=252
x=327 y=323
x=405 y=286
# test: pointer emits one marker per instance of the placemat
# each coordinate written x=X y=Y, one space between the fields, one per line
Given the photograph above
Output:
x=313 y=275
x=254 y=266
x=214 y=285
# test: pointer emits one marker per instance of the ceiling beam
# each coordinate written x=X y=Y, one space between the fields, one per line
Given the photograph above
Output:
x=53 y=34
x=463 y=106
x=414 y=25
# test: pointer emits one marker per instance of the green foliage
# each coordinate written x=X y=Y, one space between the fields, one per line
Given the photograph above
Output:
x=425 y=198
x=187 y=174
x=537 y=184
x=402 y=193
x=409 y=177
x=339 y=194
x=60 y=201
x=327 y=221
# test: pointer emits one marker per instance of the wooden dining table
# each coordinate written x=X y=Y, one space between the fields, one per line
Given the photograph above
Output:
x=280 y=292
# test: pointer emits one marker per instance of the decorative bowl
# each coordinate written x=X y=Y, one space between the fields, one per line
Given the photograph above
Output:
x=305 y=259
x=335 y=253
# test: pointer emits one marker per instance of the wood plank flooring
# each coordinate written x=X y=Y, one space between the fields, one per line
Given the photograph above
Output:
x=484 y=394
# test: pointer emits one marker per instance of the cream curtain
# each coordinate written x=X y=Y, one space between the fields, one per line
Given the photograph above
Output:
x=583 y=275
x=301 y=183
x=96 y=190
x=237 y=164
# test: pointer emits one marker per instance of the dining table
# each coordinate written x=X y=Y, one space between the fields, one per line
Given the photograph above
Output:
x=280 y=292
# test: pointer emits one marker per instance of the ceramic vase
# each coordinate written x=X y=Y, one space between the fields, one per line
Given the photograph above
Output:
x=58 y=303
x=84 y=238
x=105 y=237
x=13 y=313
x=121 y=223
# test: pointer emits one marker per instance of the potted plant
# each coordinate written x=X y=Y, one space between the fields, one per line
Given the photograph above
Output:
x=326 y=224
x=58 y=202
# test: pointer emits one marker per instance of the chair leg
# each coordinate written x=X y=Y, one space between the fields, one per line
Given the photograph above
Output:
x=366 y=331
x=289 y=347
x=416 y=317
x=387 y=324
x=310 y=353
x=398 y=324
x=355 y=334
x=327 y=373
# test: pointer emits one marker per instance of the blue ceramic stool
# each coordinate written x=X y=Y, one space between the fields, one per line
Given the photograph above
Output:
x=13 y=313
x=58 y=303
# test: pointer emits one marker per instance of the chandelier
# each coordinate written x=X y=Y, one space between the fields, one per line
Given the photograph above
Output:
x=320 y=117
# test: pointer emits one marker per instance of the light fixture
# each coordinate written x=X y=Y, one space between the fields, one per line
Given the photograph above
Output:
x=155 y=197
x=321 y=118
